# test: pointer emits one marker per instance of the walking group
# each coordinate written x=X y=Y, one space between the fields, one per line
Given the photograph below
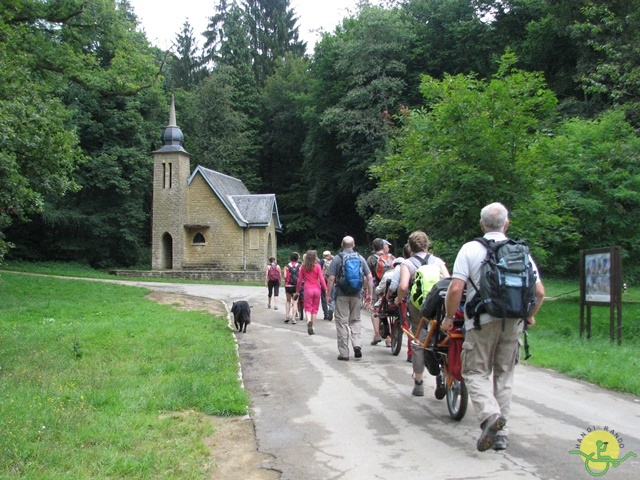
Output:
x=493 y=320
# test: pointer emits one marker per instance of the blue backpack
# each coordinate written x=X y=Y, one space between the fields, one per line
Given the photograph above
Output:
x=351 y=275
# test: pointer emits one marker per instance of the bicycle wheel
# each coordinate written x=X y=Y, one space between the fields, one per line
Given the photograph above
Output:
x=396 y=336
x=457 y=399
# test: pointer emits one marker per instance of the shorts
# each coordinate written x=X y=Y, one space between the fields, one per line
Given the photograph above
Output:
x=290 y=289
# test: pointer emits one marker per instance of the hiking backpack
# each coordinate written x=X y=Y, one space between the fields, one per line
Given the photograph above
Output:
x=424 y=278
x=325 y=268
x=293 y=273
x=433 y=305
x=385 y=262
x=274 y=273
x=507 y=287
x=351 y=273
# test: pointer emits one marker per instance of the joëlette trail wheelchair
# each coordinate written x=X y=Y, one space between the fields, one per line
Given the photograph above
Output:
x=391 y=321
x=437 y=345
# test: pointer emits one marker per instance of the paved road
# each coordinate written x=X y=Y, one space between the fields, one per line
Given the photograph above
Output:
x=324 y=419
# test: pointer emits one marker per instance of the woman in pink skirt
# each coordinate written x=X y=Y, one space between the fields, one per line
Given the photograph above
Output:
x=314 y=284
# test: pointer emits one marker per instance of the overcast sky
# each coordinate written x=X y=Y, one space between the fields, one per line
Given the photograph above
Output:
x=163 y=19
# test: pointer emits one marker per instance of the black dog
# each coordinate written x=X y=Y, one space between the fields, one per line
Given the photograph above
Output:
x=241 y=315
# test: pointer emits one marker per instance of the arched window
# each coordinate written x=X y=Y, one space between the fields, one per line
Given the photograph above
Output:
x=198 y=239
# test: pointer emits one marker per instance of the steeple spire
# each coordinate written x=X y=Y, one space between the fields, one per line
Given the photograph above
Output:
x=172 y=136
x=172 y=112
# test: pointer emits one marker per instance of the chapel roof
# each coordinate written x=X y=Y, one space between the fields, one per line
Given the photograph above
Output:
x=247 y=209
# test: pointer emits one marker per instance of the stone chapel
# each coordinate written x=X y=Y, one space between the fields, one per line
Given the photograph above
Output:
x=205 y=219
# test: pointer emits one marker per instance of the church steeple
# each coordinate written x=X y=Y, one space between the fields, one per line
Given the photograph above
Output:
x=172 y=136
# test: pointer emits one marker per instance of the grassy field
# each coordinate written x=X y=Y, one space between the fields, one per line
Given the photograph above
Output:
x=556 y=343
x=98 y=382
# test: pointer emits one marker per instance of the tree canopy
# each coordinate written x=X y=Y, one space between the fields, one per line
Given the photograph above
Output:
x=411 y=115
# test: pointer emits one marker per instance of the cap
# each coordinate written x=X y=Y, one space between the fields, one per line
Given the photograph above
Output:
x=398 y=261
x=326 y=253
x=386 y=242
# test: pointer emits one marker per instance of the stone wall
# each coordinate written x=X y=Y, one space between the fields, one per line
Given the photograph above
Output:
x=213 y=275
x=223 y=236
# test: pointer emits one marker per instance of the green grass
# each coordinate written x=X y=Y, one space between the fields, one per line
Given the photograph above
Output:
x=84 y=271
x=555 y=340
x=91 y=376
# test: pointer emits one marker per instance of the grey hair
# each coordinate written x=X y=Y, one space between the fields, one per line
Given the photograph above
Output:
x=494 y=217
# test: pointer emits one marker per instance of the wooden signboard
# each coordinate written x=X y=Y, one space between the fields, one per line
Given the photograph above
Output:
x=601 y=285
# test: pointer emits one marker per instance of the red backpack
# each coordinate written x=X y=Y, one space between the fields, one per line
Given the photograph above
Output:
x=274 y=273
x=385 y=262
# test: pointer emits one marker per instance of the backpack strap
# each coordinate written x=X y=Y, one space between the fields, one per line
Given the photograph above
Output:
x=423 y=261
x=485 y=244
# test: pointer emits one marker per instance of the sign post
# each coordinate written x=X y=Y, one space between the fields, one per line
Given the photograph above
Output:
x=601 y=285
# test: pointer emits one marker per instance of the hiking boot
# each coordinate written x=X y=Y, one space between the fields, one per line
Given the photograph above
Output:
x=344 y=359
x=310 y=328
x=275 y=307
x=490 y=427
x=268 y=306
x=501 y=443
x=376 y=340
x=287 y=319
x=441 y=391
x=357 y=352
x=409 y=358
x=418 y=389
x=293 y=321
x=330 y=315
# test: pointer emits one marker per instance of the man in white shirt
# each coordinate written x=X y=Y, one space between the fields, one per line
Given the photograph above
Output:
x=488 y=354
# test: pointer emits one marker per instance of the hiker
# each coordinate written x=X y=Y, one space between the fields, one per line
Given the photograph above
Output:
x=325 y=263
x=350 y=275
x=291 y=271
x=419 y=246
x=314 y=285
x=379 y=262
x=392 y=293
x=380 y=307
x=489 y=354
x=273 y=274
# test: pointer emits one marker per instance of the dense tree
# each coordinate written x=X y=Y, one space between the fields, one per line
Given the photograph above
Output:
x=90 y=56
x=220 y=136
x=186 y=65
x=452 y=37
x=359 y=77
x=273 y=33
x=285 y=100
x=469 y=147
x=594 y=168
x=38 y=151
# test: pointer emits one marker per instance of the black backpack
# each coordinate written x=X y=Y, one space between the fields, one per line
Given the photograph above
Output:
x=433 y=304
x=507 y=287
x=293 y=274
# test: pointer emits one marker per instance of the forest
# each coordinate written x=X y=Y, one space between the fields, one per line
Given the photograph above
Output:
x=411 y=115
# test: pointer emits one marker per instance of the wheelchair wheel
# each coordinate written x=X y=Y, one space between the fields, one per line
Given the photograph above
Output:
x=396 y=336
x=457 y=399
